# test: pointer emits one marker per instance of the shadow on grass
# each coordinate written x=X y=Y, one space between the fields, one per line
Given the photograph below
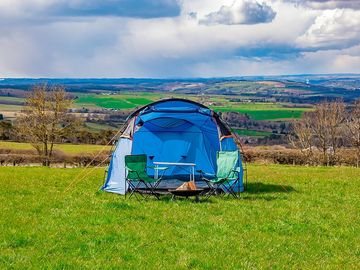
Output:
x=258 y=188
x=170 y=199
x=263 y=197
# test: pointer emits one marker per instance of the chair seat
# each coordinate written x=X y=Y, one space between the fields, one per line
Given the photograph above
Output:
x=146 y=179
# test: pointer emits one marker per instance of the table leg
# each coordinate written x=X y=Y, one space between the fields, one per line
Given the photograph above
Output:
x=156 y=173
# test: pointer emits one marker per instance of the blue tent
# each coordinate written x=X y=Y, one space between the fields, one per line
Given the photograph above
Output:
x=171 y=130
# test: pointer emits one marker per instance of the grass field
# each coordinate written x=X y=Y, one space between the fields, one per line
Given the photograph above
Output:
x=132 y=100
x=262 y=111
x=314 y=224
x=8 y=107
x=12 y=99
x=120 y=101
x=71 y=149
x=257 y=111
x=252 y=133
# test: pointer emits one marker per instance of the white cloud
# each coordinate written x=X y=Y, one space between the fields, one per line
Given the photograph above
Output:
x=320 y=62
x=240 y=12
x=116 y=46
x=338 y=28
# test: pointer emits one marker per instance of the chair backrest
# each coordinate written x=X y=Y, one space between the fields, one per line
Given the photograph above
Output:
x=136 y=166
x=227 y=161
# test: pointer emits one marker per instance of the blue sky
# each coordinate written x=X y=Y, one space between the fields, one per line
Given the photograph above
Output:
x=178 y=38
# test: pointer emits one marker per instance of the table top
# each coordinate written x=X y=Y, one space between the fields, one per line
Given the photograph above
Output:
x=174 y=163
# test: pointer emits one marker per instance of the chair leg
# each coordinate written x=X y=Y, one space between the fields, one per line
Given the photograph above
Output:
x=155 y=187
x=152 y=190
x=231 y=190
x=135 y=189
x=212 y=190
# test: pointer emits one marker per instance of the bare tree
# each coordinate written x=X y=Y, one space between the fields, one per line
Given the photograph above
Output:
x=353 y=129
x=337 y=116
x=320 y=129
x=302 y=136
x=44 y=119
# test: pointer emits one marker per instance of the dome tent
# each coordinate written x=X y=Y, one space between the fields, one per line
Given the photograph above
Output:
x=171 y=130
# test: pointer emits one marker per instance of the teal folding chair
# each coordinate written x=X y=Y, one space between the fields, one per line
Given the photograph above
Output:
x=227 y=174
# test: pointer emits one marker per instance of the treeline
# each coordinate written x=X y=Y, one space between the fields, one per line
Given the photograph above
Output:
x=78 y=135
x=15 y=157
x=322 y=135
x=258 y=154
x=283 y=155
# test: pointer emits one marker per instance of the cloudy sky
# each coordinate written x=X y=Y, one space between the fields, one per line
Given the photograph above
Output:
x=178 y=38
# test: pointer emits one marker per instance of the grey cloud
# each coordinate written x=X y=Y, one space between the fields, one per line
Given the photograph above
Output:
x=328 y=4
x=241 y=12
x=333 y=29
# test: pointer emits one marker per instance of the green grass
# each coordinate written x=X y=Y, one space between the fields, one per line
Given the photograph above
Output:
x=128 y=100
x=252 y=133
x=120 y=101
x=8 y=107
x=132 y=100
x=262 y=111
x=314 y=225
x=12 y=99
x=71 y=149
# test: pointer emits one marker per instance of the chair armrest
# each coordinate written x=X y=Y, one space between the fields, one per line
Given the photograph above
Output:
x=202 y=174
x=237 y=170
x=129 y=170
x=137 y=173
x=163 y=169
x=158 y=168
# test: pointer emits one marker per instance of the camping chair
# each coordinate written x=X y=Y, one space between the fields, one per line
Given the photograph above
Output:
x=227 y=174
x=135 y=166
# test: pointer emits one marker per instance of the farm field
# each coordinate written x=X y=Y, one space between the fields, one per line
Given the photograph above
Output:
x=257 y=111
x=119 y=101
x=298 y=217
x=262 y=111
x=71 y=149
x=132 y=100
x=252 y=133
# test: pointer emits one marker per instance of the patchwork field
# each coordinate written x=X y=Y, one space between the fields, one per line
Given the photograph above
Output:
x=290 y=217
x=256 y=111
x=132 y=100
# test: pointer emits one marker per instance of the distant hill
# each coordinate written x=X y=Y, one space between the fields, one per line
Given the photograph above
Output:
x=286 y=88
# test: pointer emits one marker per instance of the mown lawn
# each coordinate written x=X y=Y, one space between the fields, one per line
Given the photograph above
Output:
x=310 y=222
x=71 y=149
